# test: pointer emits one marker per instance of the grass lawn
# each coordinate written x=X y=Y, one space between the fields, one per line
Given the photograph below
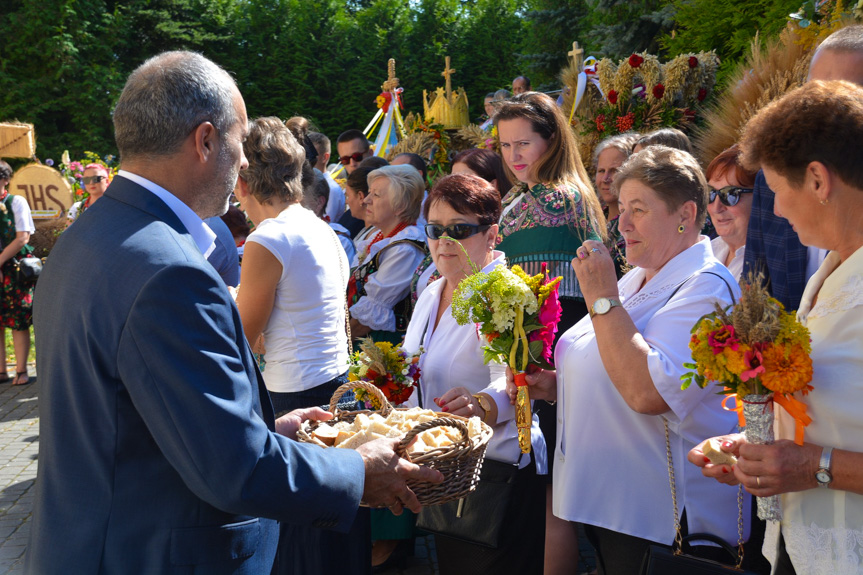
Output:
x=10 y=351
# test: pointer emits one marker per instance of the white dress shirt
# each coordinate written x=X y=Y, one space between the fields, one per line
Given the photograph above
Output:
x=611 y=469
x=204 y=237
x=453 y=358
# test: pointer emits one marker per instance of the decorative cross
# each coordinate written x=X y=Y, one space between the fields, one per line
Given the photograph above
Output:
x=392 y=82
x=447 y=73
x=576 y=54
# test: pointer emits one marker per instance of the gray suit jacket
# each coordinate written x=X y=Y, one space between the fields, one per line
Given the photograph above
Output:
x=156 y=451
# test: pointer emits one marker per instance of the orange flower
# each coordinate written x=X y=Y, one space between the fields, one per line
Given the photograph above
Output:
x=786 y=369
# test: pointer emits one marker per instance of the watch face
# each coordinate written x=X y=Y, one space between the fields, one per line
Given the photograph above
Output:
x=823 y=476
x=602 y=305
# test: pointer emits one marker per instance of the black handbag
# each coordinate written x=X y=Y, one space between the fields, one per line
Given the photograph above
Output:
x=28 y=268
x=660 y=560
x=479 y=517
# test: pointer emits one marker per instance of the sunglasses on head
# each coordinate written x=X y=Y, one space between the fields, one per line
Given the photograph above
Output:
x=92 y=180
x=729 y=195
x=356 y=156
x=455 y=231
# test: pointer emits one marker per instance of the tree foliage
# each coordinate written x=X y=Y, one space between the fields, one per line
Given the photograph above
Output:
x=64 y=62
x=727 y=27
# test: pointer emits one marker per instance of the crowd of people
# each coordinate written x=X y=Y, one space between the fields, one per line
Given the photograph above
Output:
x=161 y=427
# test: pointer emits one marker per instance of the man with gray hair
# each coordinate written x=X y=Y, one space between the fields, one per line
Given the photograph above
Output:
x=159 y=451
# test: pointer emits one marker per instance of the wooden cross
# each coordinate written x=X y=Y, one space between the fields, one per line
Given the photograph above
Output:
x=392 y=82
x=576 y=54
x=447 y=73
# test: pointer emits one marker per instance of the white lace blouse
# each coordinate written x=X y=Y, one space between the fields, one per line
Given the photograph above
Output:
x=823 y=528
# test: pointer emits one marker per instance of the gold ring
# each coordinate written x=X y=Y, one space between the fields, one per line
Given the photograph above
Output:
x=758 y=482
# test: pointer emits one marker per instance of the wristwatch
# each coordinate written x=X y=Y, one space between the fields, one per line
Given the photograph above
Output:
x=484 y=403
x=603 y=305
x=823 y=476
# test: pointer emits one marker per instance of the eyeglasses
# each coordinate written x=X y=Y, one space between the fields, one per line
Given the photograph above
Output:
x=729 y=195
x=92 y=180
x=356 y=156
x=455 y=231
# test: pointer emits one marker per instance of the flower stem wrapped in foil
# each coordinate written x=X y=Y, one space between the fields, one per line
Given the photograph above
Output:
x=758 y=412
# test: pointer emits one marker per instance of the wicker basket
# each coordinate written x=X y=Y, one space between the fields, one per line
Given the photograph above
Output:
x=459 y=463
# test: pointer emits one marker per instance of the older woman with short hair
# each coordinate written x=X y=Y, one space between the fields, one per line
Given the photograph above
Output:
x=292 y=291
x=609 y=155
x=729 y=206
x=805 y=143
x=618 y=372
x=462 y=212
x=378 y=293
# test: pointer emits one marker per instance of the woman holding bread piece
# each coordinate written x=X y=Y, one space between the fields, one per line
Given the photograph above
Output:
x=804 y=143
x=623 y=419
x=462 y=212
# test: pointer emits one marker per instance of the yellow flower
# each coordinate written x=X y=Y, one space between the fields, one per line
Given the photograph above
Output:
x=786 y=368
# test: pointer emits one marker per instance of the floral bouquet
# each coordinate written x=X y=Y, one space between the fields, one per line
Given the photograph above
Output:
x=759 y=354
x=518 y=316
x=387 y=366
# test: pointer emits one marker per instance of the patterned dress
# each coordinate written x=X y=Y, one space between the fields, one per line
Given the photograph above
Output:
x=16 y=303
x=545 y=224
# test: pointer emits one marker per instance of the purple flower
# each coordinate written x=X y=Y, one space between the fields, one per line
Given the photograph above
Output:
x=49 y=162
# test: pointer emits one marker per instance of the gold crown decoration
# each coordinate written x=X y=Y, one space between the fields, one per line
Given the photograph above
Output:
x=446 y=107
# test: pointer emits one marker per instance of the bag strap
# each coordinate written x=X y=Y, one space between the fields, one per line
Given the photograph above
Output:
x=415 y=243
x=678 y=538
x=342 y=273
x=683 y=283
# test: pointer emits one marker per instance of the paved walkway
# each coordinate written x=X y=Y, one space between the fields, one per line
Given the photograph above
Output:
x=19 y=446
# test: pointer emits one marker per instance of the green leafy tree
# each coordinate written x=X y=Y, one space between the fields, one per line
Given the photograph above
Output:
x=552 y=26
x=622 y=27
x=727 y=27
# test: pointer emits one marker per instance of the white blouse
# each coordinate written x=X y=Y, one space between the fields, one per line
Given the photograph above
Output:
x=823 y=528
x=611 y=469
x=453 y=358
x=305 y=333
x=721 y=250
x=391 y=283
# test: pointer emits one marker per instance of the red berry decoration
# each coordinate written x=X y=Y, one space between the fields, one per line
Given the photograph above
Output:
x=612 y=97
x=635 y=60
x=693 y=61
x=600 y=122
x=702 y=93
x=658 y=91
x=624 y=123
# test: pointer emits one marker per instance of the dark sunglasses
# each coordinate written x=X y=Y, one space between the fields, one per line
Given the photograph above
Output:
x=455 y=231
x=92 y=180
x=356 y=156
x=729 y=195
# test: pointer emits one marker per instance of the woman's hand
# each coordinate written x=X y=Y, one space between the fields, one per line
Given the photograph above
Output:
x=594 y=268
x=721 y=473
x=542 y=385
x=459 y=401
x=782 y=467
